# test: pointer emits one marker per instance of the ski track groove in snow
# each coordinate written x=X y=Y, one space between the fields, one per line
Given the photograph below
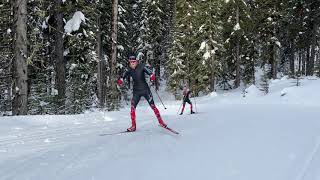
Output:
x=49 y=134
x=315 y=152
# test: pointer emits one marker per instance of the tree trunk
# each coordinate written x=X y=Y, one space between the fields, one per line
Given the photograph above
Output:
x=212 y=76
x=308 y=61
x=113 y=73
x=274 y=49
x=291 y=60
x=318 y=60
x=300 y=63
x=313 y=48
x=59 y=58
x=157 y=54
x=101 y=67
x=274 y=62
x=303 y=62
x=237 y=82
x=20 y=76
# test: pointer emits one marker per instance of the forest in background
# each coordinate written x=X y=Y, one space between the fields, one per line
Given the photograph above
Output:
x=49 y=65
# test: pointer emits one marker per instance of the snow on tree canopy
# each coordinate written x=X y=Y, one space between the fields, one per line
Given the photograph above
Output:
x=203 y=45
x=120 y=24
x=44 y=25
x=120 y=47
x=135 y=6
x=237 y=27
x=206 y=55
x=140 y=55
x=201 y=28
x=74 y=23
x=66 y=52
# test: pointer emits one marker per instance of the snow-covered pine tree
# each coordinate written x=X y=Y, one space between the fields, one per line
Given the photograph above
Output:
x=299 y=20
x=155 y=29
x=235 y=17
x=6 y=55
x=268 y=20
x=250 y=52
x=168 y=22
x=167 y=10
x=313 y=24
x=123 y=46
x=209 y=39
x=40 y=67
x=142 y=20
x=177 y=66
x=127 y=35
x=78 y=54
x=133 y=18
x=291 y=26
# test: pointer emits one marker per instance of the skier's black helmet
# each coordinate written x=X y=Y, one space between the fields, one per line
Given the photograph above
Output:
x=132 y=58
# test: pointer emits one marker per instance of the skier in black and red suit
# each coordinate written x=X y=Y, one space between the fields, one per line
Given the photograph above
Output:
x=140 y=89
x=186 y=94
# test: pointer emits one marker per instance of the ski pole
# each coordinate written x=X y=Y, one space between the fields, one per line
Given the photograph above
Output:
x=121 y=95
x=160 y=99
x=125 y=99
x=179 y=108
x=195 y=104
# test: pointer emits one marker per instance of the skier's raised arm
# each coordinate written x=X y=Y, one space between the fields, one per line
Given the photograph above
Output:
x=124 y=76
x=148 y=70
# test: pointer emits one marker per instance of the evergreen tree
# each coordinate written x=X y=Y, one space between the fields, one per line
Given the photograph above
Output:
x=236 y=15
x=178 y=65
x=6 y=54
x=209 y=40
x=268 y=20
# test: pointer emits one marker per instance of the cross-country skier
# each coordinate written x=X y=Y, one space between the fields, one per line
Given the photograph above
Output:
x=186 y=94
x=140 y=89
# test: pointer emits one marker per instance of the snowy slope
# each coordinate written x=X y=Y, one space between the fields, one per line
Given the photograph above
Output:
x=258 y=137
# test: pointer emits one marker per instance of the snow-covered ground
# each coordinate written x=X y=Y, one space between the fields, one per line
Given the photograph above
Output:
x=272 y=137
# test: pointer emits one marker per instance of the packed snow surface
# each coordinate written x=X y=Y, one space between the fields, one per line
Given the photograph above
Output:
x=232 y=137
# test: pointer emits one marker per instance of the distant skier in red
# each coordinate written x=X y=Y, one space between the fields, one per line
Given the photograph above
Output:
x=140 y=89
x=186 y=94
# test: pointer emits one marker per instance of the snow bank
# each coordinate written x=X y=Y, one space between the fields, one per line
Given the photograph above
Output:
x=305 y=94
x=253 y=91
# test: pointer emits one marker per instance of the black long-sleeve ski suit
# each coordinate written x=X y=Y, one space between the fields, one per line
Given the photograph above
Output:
x=141 y=89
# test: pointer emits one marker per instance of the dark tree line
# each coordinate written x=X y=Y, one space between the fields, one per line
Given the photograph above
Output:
x=49 y=66
x=47 y=69
x=226 y=42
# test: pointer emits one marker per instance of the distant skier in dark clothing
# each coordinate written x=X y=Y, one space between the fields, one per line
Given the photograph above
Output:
x=186 y=94
x=140 y=89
